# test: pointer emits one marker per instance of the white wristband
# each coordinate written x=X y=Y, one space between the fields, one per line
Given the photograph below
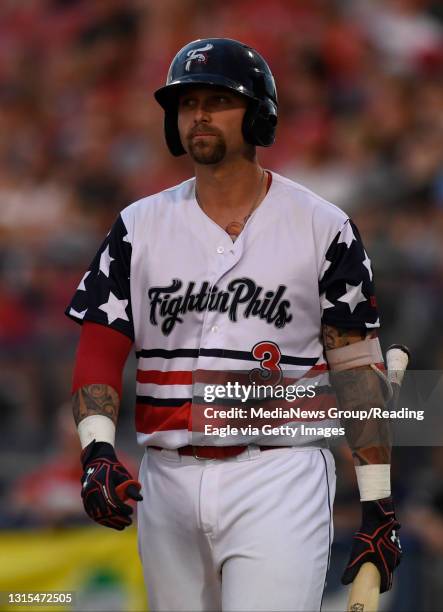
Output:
x=374 y=481
x=96 y=427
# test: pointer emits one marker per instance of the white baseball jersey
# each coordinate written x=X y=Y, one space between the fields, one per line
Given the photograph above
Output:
x=172 y=280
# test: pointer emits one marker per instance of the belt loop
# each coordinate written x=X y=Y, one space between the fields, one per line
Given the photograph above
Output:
x=250 y=452
x=254 y=450
x=171 y=454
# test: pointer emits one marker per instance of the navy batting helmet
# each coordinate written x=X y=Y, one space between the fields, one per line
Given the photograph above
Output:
x=226 y=63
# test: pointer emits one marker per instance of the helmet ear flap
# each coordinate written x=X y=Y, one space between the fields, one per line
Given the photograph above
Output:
x=259 y=123
x=172 y=135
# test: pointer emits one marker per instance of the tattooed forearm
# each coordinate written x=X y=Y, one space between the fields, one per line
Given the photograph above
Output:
x=95 y=399
x=357 y=390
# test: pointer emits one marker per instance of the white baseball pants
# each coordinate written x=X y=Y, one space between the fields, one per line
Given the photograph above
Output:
x=248 y=533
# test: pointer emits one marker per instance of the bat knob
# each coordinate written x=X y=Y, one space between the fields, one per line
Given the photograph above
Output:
x=397 y=358
x=401 y=347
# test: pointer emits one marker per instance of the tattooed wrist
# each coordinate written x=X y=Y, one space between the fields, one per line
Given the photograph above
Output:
x=95 y=399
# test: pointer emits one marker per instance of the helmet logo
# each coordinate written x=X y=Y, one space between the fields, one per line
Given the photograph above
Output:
x=197 y=54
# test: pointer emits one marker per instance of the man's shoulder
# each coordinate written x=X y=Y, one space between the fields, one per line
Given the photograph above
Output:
x=299 y=195
x=156 y=201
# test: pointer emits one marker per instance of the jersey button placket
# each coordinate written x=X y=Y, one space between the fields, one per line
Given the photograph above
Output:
x=211 y=325
x=221 y=264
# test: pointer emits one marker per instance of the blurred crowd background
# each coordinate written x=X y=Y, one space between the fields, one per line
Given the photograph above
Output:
x=360 y=87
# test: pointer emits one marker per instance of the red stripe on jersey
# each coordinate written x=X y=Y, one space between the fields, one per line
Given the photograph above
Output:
x=214 y=377
x=174 y=377
x=149 y=419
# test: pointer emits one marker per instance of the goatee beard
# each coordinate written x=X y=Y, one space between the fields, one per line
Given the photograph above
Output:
x=208 y=155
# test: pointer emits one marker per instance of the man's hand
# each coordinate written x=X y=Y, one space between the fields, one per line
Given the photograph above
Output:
x=106 y=485
x=376 y=541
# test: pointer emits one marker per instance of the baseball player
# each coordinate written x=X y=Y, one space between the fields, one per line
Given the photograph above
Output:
x=240 y=270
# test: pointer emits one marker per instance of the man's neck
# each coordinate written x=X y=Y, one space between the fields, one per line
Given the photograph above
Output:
x=228 y=188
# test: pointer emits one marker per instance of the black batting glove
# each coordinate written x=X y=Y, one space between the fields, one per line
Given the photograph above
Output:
x=106 y=485
x=376 y=541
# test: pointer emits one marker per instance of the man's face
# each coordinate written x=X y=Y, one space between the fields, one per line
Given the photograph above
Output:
x=210 y=123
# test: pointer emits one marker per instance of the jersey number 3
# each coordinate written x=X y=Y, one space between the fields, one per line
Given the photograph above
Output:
x=269 y=372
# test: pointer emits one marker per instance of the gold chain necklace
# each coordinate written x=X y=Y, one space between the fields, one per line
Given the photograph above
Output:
x=234 y=228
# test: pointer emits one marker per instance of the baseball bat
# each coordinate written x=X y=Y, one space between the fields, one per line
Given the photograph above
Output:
x=365 y=590
x=130 y=489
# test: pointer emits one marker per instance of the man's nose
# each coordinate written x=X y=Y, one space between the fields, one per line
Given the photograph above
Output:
x=201 y=113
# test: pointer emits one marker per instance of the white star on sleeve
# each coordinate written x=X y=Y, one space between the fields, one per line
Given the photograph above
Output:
x=367 y=265
x=81 y=286
x=353 y=296
x=77 y=314
x=376 y=324
x=115 y=308
x=325 y=303
x=105 y=261
x=347 y=235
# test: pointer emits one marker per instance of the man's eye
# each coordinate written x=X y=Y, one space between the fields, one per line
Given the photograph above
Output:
x=187 y=102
